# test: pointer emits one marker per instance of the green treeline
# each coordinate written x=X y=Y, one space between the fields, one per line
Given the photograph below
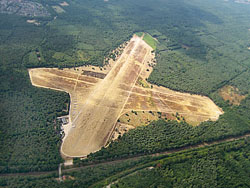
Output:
x=212 y=52
x=216 y=53
x=162 y=135
x=221 y=165
x=202 y=47
x=179 y=72
x=29 y=132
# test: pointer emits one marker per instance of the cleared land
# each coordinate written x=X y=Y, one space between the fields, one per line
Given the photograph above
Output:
x=231 y=94
x=98 y=101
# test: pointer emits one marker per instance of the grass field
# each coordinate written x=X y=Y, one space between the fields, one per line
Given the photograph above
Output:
x=150 y=40
x=139 y=34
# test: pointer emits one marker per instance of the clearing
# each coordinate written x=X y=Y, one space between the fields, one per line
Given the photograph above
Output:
x=150 y=40
x=231 y=94
x=33 y=22
x=99 y=96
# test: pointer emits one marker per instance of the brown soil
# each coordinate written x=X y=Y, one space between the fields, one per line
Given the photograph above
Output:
x=231 y=94
x=97 y=104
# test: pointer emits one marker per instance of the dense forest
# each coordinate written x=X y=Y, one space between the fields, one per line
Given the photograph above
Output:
x=30 y=137
x=215 y=56
x=202 y=46
x=222 y=165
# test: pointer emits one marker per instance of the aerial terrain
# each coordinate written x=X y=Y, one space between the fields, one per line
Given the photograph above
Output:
x=124 y=93
x=101 y=102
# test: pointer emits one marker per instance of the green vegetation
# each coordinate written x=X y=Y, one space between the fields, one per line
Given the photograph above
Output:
x=162 y=135
x=182 y=73
x=214 y=55
x=29 y=131
x=150 y=40
x=143 y=83
x=202 y=46
x=241 y=82
x=82 y=178
x=139 y=34
x=221 y=165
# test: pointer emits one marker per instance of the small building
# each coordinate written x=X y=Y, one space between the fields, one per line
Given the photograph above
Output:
x=64 y=120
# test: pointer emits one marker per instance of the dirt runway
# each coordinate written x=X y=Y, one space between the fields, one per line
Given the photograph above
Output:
x=98 y=102
x=95 y=121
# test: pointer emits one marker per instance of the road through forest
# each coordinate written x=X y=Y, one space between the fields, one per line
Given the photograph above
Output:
x=167 y=152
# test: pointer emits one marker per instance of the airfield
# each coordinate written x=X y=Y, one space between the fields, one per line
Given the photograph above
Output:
x=99 y=97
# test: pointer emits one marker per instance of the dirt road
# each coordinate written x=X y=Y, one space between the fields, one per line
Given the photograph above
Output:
x=195 y=146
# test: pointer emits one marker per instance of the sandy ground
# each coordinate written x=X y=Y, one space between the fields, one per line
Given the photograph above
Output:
x=95 y=121
x=92 y=120
x=33 y=22
x=68 y=162
x=97 y=103
x=194 y=108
